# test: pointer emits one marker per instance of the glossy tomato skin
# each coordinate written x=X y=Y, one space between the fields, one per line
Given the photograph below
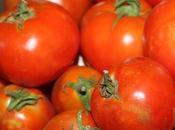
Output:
x=30 y=117
x=159 y=35
x=146 y=98
x=76 y=8
x=114 y=0
x=102 y=0
x=153 y=2
x=1 y=86
x=108 y=6
x=110 y=45
x=42 y=49
x=67 y=120
x=64 y=97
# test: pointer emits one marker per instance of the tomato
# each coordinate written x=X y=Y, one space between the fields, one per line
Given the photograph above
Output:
x=159 y=35
x=74 y=88
x=76 y=8
x=153 y=2
x=105 y=43
x=103 y=7
x=102 y=0
x=1 y=86
x=37 y=49
x=24 y=109
x=71 y=120
x=138 y=95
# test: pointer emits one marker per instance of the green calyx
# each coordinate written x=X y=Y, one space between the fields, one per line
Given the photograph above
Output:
x=83 y=88
x=80 y=123
x=109 y=87
x=22 y=13
x=126 y=8
x=20 y=98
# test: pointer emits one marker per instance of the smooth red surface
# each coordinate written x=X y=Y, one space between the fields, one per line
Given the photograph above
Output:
x=68 y=120
x=30 y=117
x=153 y=2
x=108 y=7
x=76 y=8
x=102 y=0
x=66 y=98
x=104 y=46
x=159 y=35
x=147 y=99
x=42 y=49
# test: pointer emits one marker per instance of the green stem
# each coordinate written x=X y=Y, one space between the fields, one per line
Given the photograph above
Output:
x=22 y=13
x=20 y=98
x=109 y=87
x=126 y=8
x=83 y=88
x=80 y=123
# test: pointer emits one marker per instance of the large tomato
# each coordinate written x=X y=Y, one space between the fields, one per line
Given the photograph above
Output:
x=153 y=2
x=71 y=120
x=107 y=38
x=115 y=0
x=137 y=95
x=159 y=35
x=23 y=109
x=36 y=45
x=102 y=0
x=74 y=88
x=75 y=7
x=109 y=7
x=1 y=86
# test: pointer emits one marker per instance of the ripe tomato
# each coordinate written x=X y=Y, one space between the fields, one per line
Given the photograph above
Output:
x=109 y=7
x=159 y=35
x=102 y=0
x=24 y=109
x=37 y=49
x=153 y=2
x=1 y=86
x=104 y=44
x=76 y=8
x=71 y=120
x=115 y=0
x=73 y=89
x=138 y=95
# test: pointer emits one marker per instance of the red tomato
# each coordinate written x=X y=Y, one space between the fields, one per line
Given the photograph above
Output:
x=102 y=0
x=138 y=95
x=24 y=109
x=38 y=51
x=1 y=86
x=153 y=2
x=159 y=35
x=75 y=7
x=74 y=88
x=109 y=7
x=115 y=0
x=104 y=45
x=71 y=120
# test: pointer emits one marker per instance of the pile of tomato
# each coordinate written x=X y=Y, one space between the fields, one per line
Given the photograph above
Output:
x=87 y=65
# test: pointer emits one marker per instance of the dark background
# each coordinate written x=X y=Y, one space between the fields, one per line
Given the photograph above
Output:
x=1 y=3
